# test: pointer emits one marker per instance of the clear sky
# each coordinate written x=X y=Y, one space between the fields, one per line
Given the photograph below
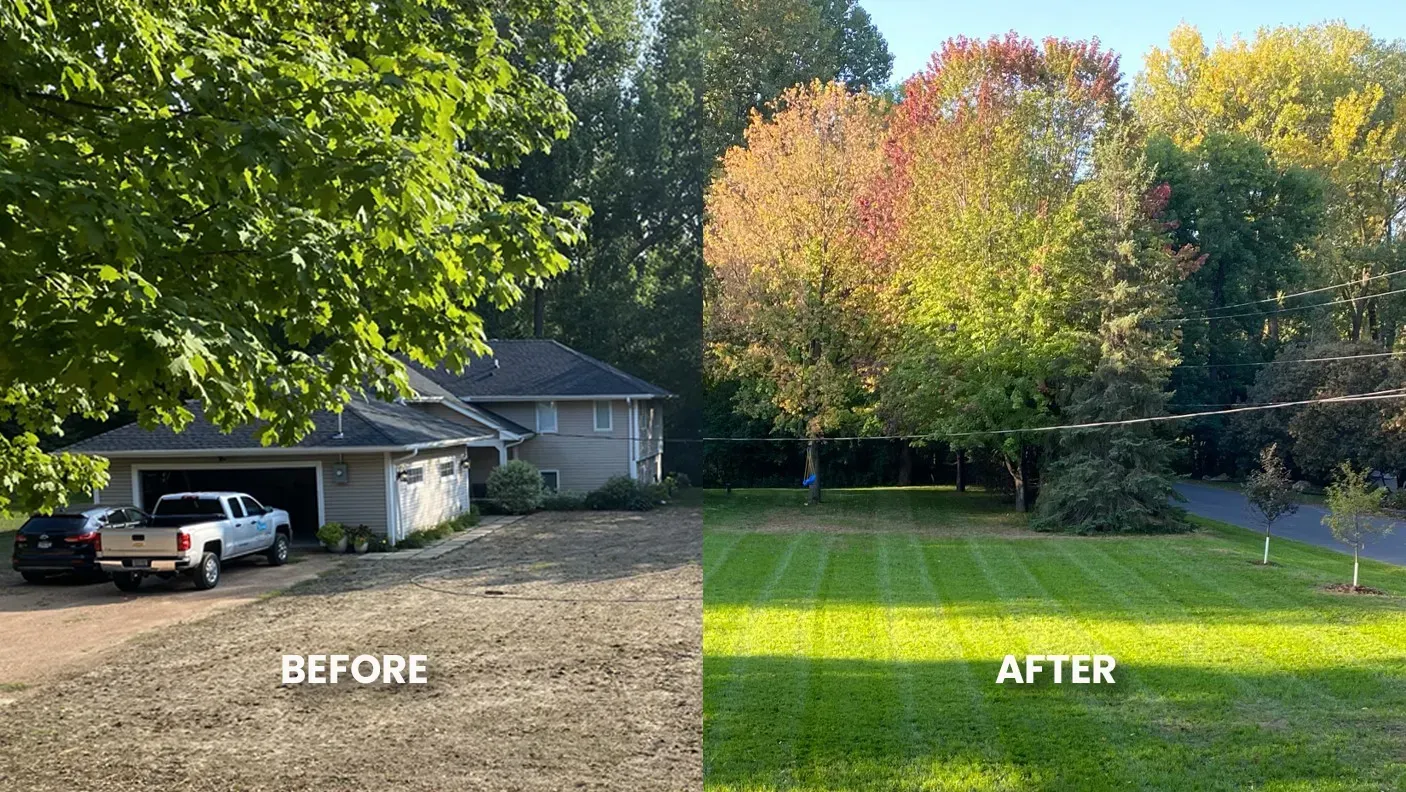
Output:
x=915 y=28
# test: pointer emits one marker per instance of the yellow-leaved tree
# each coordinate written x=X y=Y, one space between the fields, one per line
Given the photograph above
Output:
x=793 y=305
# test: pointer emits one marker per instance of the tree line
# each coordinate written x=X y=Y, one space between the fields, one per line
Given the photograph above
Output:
x=1016 y=239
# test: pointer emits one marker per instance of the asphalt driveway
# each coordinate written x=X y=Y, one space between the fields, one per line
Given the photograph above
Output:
x=1305 y=525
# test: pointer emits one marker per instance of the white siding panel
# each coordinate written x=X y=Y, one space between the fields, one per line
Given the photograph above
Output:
x=433 y=500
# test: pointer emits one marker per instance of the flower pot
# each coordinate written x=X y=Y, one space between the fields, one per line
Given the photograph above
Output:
x=363 y=546
x=339 y=547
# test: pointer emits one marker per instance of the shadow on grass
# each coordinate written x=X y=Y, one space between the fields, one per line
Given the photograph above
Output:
x=799 y=723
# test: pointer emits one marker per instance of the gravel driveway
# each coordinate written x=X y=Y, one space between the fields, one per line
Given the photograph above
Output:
x=582 y=671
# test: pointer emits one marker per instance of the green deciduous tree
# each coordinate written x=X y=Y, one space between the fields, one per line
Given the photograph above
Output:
x=755 y=49
x=1328 y=98
x=1352 y=506
x=982 y=219
x=1251 y=219
x=258 y=204
x=1270 y=491
x=633 y=293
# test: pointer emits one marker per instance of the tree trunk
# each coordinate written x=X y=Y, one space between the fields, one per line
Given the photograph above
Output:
x=539 y=313
x=905 y=464
x=961 y=472
x=1266 y=547
x=1017 y=472
x=1354 y=566
x=813 y=465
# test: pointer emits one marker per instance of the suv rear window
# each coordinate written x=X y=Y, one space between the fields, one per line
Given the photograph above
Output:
x=191 y=506
x=53 y=523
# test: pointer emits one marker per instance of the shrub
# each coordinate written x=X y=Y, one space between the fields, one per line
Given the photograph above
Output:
x=619 y=493
x=360 y=533
x=564 y=500
x=658 y=492
x=1395 y=500
x=331 y=533
x=516 y=487
x=680 y=481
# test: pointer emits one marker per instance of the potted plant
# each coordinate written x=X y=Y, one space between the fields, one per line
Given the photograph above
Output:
x=333 y=536
x=360 y=538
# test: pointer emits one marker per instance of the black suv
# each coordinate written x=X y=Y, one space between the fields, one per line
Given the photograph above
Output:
x=66 y=540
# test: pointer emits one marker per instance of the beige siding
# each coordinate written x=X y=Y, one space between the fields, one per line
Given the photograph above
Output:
x=434 y=499
x=361 y=500
x=583 y=457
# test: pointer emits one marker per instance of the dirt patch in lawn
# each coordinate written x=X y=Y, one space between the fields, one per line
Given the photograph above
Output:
x=1348 y=588
x=588 y=690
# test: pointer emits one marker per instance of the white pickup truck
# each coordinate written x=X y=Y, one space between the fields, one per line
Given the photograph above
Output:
x=193 y=533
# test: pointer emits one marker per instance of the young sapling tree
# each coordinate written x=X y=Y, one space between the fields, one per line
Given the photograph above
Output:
x=1271 y=492
x=1352 y=503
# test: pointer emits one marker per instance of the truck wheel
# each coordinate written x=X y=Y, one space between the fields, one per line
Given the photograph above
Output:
x=278 y=554
x=34 y=577
x=127 y=581
x=207 y=575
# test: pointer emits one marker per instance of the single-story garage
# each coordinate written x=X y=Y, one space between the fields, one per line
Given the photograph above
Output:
x=393 y=467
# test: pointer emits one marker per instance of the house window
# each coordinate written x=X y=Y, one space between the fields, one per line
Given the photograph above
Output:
x=547 y=417
x=446 y=469
x=550 y=480
x=604 y=418
x=413 y=475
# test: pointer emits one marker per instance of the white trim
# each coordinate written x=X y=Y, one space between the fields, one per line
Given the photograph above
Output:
x=609 y=414
x=277 y=450
x=469 y=411
x=558 y=475
x=631 y=450
x=392 y=497
x=316 y=465
x=556 y=417
x=547 y=397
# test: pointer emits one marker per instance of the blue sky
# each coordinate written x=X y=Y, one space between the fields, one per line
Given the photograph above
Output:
x=915 y=28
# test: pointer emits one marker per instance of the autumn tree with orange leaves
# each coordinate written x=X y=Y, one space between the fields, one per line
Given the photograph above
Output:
x=793 y=306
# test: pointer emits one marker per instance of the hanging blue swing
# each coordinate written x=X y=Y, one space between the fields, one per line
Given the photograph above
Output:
x=809 y=480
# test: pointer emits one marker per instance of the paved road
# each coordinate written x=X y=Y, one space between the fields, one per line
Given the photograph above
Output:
x=1305 y=525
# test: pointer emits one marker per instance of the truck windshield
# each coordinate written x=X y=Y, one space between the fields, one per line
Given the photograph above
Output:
x=193 y=507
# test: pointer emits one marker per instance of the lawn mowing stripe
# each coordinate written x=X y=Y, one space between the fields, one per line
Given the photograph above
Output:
x=1156 y=682
x=963 y=577
x=844 y=734
x=1099 y=703
x=1314 y=705
x=755 y=662
x=1305 y=683
x=895 y=654
x=1248 y=587
x=949 y=737
x=715 y=558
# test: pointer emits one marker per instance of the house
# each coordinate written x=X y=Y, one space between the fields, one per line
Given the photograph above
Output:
x=401 y=466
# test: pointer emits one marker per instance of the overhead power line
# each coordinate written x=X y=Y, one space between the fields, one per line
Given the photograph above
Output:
x=1294 y=360
x=1393 y=393
x=1281 y=310
x=1302 y=293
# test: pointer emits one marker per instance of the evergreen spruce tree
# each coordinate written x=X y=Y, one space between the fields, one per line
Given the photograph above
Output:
x=1118 y=479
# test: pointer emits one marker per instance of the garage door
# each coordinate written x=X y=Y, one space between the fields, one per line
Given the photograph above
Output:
x=292 y=489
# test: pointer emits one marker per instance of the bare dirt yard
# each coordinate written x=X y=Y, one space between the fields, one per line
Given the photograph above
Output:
x=564 y=653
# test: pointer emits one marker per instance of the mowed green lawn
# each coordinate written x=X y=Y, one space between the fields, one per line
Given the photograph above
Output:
x=855 y=645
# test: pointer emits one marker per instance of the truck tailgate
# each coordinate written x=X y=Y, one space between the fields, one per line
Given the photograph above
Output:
x=144 y=542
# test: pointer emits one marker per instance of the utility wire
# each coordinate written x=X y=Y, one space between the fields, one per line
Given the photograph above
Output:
x=1393 y=393
x=1295 y=360
x=1281 y=310
x=1301 y=294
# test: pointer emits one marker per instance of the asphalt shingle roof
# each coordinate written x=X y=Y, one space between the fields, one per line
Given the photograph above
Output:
x=538 y=367
x=364 y=424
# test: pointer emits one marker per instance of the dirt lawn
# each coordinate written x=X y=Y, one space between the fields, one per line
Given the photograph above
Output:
x=582 y=670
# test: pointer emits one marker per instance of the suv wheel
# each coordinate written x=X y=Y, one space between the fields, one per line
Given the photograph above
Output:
x=207 y=575
x=127 y=581
x=278 y=554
